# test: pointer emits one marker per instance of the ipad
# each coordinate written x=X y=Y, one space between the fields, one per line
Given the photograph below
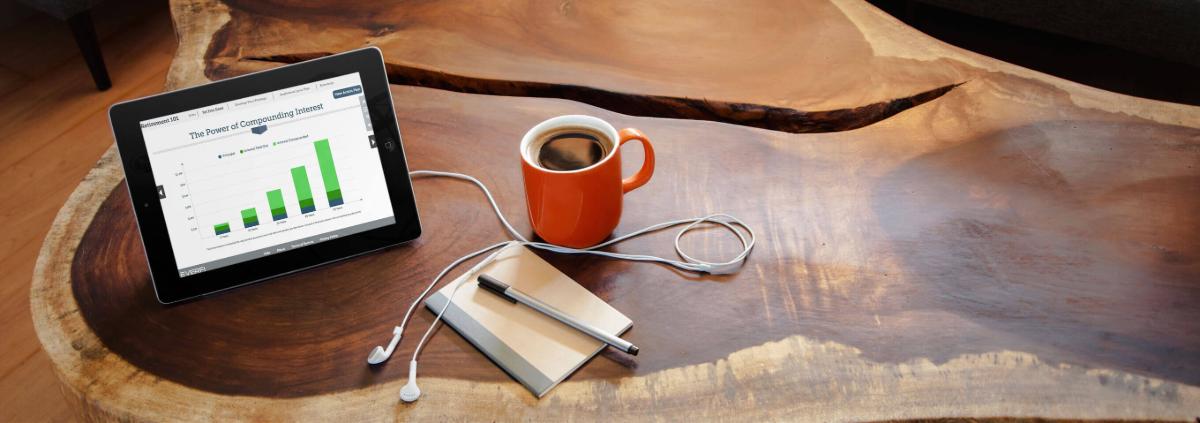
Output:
x=265 y=174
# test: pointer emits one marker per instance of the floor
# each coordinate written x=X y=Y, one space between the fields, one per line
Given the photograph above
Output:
x=56 y=127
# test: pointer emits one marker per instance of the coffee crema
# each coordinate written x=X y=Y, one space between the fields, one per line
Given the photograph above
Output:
x=570 y=149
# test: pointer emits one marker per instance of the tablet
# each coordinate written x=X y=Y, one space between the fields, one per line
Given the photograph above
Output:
x=265 y=174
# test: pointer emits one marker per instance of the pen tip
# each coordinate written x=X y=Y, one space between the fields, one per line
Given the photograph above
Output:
x=633 y=350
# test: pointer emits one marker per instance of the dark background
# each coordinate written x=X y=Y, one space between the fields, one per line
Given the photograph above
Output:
x=1148 y=48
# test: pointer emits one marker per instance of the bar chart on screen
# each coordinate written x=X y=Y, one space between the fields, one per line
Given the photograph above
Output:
x=269 y=173
x=265 y=190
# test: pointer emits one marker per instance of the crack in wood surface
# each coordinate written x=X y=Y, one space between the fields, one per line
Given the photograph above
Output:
x=645 y=105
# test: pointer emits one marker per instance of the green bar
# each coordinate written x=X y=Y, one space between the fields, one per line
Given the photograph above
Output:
x=328 y=173
x=221 y=228
x=303 y=189
x=249 y=217
x=275 y=200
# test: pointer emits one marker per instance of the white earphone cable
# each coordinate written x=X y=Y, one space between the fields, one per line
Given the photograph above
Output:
x=477 y=267
x=688 y=263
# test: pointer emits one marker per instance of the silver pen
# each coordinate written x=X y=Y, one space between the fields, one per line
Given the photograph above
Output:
x=511 y=294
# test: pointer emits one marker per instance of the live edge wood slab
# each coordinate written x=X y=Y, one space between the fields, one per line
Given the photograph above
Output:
x=940 y=234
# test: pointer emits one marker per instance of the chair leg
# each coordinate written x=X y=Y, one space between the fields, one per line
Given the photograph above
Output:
x=89 y=45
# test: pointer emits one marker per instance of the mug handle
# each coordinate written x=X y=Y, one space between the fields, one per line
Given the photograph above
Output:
x=643 y=175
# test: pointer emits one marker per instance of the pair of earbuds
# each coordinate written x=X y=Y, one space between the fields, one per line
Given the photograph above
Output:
x=411 y=392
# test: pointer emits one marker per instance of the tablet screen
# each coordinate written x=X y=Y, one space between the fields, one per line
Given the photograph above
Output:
x=268 y=173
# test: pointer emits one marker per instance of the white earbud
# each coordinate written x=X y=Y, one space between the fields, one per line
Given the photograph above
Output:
x=379 y=354
x=410 y=392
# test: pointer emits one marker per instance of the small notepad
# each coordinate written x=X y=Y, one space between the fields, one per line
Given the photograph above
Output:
x=533 y=348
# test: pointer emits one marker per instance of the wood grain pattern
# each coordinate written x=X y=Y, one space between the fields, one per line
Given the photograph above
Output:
x=756 y=53
x=745 y=114
x=753 y=69
x=983 y=243
x=56 y=127
x=1019 y=246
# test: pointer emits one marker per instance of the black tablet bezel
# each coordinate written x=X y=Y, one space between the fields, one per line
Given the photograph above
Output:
x=169 y=286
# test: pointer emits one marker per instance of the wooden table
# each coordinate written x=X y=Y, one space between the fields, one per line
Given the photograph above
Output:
x=940 y=234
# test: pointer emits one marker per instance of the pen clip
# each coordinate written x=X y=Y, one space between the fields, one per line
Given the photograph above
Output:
x=495 y=286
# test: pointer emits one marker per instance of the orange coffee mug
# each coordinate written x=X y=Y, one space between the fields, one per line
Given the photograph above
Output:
x=573 y=184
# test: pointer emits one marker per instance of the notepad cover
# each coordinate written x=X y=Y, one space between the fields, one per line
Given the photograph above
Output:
x=533 y=348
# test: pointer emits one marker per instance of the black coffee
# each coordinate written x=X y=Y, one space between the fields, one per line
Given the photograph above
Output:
x=571 y=149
